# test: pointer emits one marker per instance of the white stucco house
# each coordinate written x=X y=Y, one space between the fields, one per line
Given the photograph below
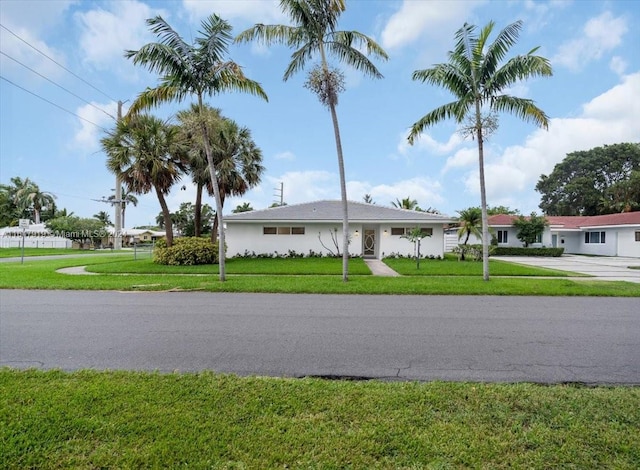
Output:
x=604 y=235
x=375 y=231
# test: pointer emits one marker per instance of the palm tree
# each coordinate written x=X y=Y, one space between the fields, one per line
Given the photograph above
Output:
x=314 y=31
x=406 y=203
x=142 y=150
x=104 y=217
x=199 y=69
x=125 y=198
x=244 y=207
x=470 y=221
x=29 y=196
x=368 y=199
x=475 y=76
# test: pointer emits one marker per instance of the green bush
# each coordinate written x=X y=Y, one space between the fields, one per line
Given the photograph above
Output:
x=473 y=252
x=521 y=251
x=186 y=251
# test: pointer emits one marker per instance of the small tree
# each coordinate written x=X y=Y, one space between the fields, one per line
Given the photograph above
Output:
x=530 y=229
x=415 y=236
x=78 y=229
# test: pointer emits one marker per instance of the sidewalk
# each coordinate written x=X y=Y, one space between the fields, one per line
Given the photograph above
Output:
x=378 y=268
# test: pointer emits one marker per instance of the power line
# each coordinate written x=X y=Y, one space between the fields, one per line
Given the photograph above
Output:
x=56 y=84
x=52 y=103
x=57 y=63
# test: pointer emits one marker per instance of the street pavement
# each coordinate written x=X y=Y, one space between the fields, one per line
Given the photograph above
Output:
x=459 y=338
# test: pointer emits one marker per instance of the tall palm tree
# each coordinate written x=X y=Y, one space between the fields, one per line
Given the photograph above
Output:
x=199 y=69
x=126 y=197
x=29 y=196
x=143 y=151
x=406 y=203
x=479 y=81
x=314 y=32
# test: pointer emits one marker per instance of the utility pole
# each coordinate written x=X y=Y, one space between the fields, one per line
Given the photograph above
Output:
x=280 y=193
x=117 y=202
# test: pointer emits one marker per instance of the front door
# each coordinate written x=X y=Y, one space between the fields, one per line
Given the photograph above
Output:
x=369 y=243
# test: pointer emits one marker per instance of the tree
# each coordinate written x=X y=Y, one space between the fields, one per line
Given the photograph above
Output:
x=125 y=198
x=529 y=230
x=603 y=180
x=29 y=196
x=313 y=31
x=470 y=223
x=475 y=76
x=496 y=210
x=104 y=217
x=78 y=229
x=244 y=207
x=368 y=199
x=10 y=213
x=199 y=69
x=143 y=151
x=184 y=219
x=406 y=203
x=415 y=236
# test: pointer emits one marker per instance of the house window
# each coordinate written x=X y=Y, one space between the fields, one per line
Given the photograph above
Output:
x=427 y=232
x=638 y=236
x=503 y=236
x=538 y=238
x=594 y=237
x=283 y=230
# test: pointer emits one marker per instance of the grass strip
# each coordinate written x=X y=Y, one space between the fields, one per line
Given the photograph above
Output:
x=43 y=275
x=88 y=419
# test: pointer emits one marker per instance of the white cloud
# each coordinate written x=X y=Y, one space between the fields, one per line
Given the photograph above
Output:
x=600 y=35
x=39 y=16
x=425 y=190
x=286 y=155
x=88 y=135
x=607 y=119
x=618 y=65
x=426 y=143
x=418 y=18
x=106 y=34
x=303 y=186
x=263 y=11
x=462 y=158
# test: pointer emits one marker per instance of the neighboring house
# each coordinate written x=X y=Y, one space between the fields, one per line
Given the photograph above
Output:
x=606 y=235
x=133 y=236
x=36 y=236
x=375 y=231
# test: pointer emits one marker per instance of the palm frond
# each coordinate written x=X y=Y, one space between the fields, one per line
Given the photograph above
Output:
x=523 y=108
x=272 y=34
x=455 y=109
x=154 y=97
x=447 y=76
x=299 y=59
x=353 y=57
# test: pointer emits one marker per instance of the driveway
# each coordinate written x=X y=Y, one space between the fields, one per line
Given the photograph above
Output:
x=604 y=268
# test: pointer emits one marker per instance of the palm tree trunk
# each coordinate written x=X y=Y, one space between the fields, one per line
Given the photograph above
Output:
x=343 y=184
x=168 y=226
x=197 y=211
x=216 y=193
x=483 y=203
x=124 y=209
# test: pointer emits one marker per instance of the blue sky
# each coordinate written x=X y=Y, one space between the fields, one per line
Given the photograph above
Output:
x=593 y=99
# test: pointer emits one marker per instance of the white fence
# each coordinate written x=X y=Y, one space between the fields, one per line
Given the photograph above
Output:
x=34 y=242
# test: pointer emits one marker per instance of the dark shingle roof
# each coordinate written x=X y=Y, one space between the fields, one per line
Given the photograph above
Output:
x=331 y=211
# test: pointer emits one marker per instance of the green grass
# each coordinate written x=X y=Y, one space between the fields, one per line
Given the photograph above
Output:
x=43 y=275
x=92 y=419
x=450 y=266
x=17 y=252
x=270 y=266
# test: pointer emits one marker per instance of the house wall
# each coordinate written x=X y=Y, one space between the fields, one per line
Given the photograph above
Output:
x=249 y=237
x=627 y=244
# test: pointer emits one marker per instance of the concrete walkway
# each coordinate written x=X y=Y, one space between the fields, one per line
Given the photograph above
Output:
x=603 y=268
x=378 y=268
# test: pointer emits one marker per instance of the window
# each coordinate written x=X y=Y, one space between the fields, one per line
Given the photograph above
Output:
x=594 y=237
x=638 y=236
x=283 y=230
x=425 y=231
x=503 y=236
x=538 y=238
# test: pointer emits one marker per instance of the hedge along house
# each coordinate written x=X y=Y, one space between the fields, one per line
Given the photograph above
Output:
x=316 y=227
x=604 y=235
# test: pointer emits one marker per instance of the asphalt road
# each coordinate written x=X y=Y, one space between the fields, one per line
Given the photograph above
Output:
x=461 y=338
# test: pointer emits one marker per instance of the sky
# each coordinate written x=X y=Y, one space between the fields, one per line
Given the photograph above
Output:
x=63 y=70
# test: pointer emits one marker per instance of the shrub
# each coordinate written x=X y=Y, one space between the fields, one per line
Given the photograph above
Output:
x=471 y=251
x=521 y=251
x=186 y=251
